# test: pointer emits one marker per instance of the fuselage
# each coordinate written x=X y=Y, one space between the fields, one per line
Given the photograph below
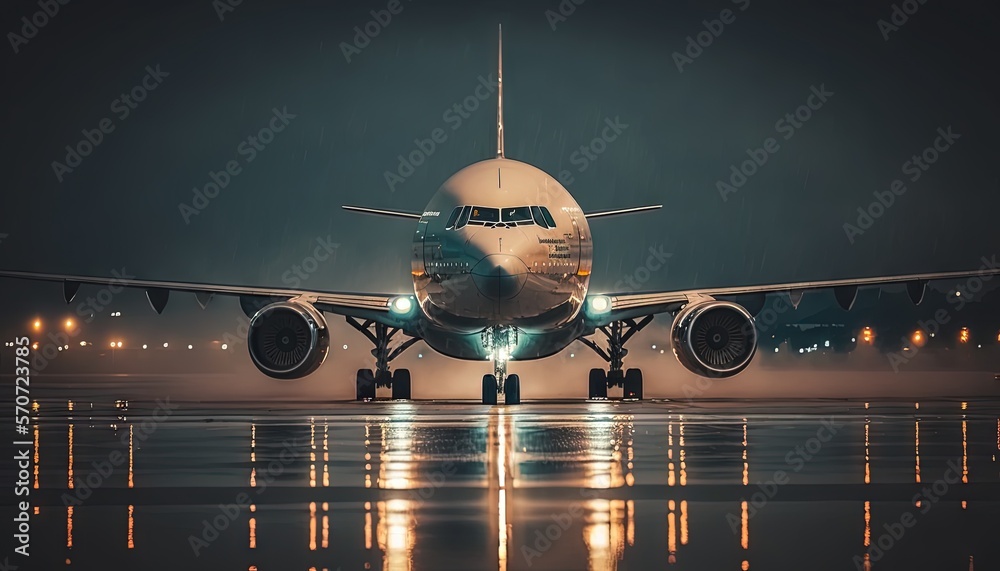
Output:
x=501 y=243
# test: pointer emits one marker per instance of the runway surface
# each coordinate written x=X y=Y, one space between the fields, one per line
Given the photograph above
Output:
x=550 y=485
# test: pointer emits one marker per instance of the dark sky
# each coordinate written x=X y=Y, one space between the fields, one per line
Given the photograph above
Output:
x=119 y=207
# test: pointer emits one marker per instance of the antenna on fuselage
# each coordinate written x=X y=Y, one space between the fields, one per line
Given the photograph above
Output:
x=500 y=91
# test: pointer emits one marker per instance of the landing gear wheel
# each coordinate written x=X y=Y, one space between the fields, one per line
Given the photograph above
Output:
x=633 y=385
x=512 y=390
x=365 y=385
x=616 y=378
x=598 y=385
x=489 y=389
x=401 y=384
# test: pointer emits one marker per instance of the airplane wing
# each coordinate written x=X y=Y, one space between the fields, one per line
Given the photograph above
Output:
x=616 y=306
x=366 y=306
x=620 y=211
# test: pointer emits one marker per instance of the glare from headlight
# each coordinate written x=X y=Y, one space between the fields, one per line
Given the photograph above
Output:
x=402 y=305
x=600 y=304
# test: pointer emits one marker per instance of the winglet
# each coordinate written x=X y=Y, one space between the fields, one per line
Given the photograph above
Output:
x=500 y=91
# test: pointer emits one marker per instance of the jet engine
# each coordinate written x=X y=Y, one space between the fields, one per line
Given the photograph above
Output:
x=714 y=338
x=288 y=339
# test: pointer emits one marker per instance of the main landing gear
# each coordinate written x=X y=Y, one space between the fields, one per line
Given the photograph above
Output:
x=499 y=342
x=617 y=333
x=368 y=380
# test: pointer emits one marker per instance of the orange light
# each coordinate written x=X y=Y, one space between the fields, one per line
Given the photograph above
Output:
x=867 y=335
x=998 y=336
x=70 y=324
x=963 y=335
x=37 y=324
x=918 y=338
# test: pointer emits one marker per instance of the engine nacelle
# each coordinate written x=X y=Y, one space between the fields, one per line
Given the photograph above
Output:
x=714 y=338
x=288 y=339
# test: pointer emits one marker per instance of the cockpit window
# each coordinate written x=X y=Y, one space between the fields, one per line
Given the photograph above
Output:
x=463 y=218
x=548 y=217
x=536 y=214
x=453 y=218
x=482 y=214
x=516 y=214
x=507 y=217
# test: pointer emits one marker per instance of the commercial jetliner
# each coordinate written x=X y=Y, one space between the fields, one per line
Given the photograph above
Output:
x=501 y=264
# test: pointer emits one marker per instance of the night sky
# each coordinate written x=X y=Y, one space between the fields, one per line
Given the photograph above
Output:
x=221 y=79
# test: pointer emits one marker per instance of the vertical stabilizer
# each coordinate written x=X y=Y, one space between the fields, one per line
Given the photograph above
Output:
x=500 y=92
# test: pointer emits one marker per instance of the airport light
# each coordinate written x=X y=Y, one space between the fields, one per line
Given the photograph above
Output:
x=35 y=345
x=165 y=345
x=963 y=335
x=918 y=338
x=83 y=343
x=37 y=324
x=190 y=347
x=112 y=344
x=345 y=347
x=119 y=344
x=143 y=345
x=225 y=346
x=868 y=335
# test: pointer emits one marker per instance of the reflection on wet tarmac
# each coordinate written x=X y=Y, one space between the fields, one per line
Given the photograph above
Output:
x=403 y=486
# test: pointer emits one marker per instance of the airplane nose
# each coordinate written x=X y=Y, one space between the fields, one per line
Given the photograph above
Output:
x=499 y=276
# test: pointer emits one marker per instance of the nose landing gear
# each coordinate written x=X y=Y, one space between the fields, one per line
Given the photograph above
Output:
x=499 y=342
x=617 y=333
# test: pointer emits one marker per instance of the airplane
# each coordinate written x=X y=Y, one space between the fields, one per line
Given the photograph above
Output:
x=501 y=264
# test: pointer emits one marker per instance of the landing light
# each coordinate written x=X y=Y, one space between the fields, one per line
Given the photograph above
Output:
x=402 y=305
x=600 y=304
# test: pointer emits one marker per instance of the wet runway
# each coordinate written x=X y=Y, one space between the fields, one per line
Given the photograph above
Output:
x=705 y=484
